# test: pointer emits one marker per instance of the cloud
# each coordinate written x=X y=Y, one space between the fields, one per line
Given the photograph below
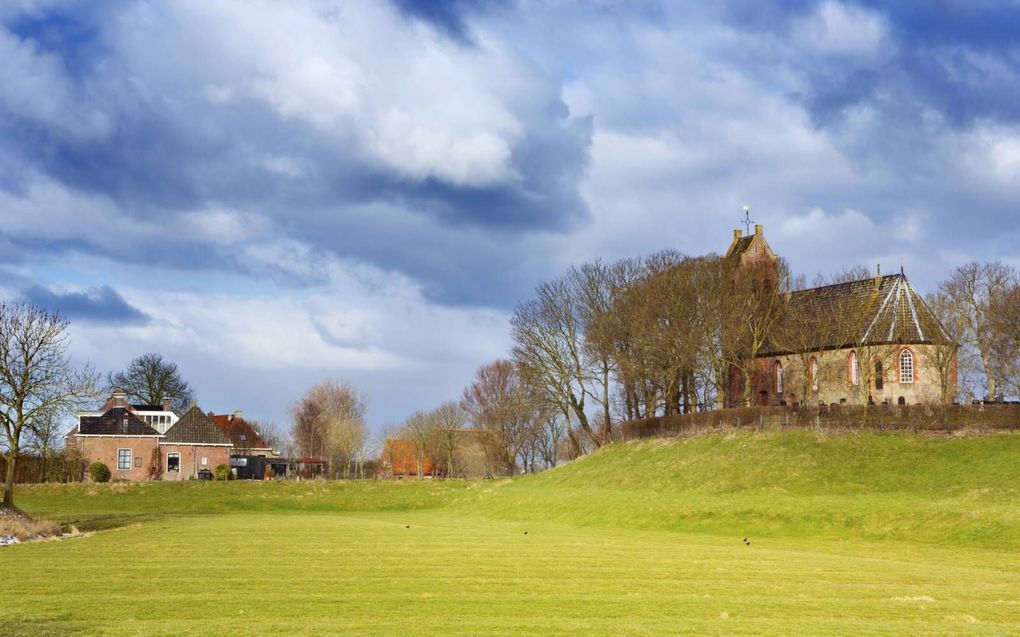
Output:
x=101 y=305
x=205 y=139
x=841 y=28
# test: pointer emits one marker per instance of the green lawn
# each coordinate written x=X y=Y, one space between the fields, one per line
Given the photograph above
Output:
x=849 y=535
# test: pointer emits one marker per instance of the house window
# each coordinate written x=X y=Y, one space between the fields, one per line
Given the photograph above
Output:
x=878 y=375
x=173 y=462
x=205 y=461
x=855 y=370
x=138 y=461
x=123 y=459
x=906 y=366
x=778 y=378
x=813 y=370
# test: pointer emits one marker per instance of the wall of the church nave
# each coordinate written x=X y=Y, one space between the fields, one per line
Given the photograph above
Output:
x=827 y=377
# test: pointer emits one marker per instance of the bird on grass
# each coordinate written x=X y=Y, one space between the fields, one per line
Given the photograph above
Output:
x=408 y=526
x=525 y=533
x=747 y=542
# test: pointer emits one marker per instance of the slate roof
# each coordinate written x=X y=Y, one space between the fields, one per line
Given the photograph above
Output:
x=873 y=311
x=195 y=428
x=115 y=422
x=241 y=434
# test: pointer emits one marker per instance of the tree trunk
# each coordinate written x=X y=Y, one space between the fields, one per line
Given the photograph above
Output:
x=9 y=479
x=605 y=396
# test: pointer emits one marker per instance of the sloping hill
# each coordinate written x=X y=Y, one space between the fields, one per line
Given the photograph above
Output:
x=961 y=491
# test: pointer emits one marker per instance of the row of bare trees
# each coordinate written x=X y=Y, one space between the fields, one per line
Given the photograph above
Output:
x=637 y=337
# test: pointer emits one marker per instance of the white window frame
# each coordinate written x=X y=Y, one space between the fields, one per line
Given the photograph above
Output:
x=813 y=367
x=778 y=375
x=855 y=370
x=130 y=458
x=906 y=371
x=173 y=453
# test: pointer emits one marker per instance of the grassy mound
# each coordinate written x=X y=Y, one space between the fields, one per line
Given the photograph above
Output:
x=961 y=491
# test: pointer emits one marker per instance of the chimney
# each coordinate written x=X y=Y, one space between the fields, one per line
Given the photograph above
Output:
x=878 y=270
x=168 y=403
x=736 y=233
x=757 y=228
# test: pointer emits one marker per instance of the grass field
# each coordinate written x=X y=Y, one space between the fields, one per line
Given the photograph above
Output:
x=854 y=535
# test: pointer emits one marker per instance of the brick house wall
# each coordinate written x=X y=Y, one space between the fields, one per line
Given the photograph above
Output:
x=105 y=449
x=191 y=459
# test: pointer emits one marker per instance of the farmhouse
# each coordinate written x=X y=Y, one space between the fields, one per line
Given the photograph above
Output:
x=194 y=443
x=869 y=341
x=149 y=442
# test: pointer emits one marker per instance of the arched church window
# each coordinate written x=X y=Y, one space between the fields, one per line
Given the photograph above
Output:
x=906 y=366
x=813 y=370
x=778 y=378
x=855 y=370
x=878 y=375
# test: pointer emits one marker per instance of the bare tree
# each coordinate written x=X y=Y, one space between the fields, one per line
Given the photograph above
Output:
x=1005 y=327
x=330 y=420
x=498 y=401
x=37 y=379
x=418 y=429
x=549 y=349
x=149 y=379
x=447 y=433
x=971 y=292
x=943 y=355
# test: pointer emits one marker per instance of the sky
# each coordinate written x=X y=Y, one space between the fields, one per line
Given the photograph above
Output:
x=274 y=193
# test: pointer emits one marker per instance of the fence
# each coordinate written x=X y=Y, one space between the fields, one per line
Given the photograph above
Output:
x=57 y=468
x=915 y=418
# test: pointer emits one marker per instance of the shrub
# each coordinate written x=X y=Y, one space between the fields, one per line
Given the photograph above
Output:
x=221 y=472
x=99 y=472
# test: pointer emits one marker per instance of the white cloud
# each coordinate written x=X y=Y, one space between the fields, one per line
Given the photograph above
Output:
x=842 y=28
x=35 y=88
x=395 y=90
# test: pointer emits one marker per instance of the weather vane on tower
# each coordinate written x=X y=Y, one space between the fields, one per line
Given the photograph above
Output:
x=747 y=219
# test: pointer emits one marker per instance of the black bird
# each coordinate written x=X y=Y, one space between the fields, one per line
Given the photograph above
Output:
x=409 y=526
x=525 y=533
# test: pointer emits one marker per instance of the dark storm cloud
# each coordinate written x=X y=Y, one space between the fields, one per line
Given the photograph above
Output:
x=99 y=305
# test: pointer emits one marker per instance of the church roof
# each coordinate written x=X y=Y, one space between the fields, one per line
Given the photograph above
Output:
x=195 y=428
x=873 y=311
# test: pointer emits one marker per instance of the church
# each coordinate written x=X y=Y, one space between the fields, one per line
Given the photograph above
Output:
x=869 y=341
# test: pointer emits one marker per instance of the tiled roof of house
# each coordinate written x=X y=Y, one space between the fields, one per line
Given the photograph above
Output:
x=240 y=432
x=870 y=311
x=195 y=428
x=117 y=421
